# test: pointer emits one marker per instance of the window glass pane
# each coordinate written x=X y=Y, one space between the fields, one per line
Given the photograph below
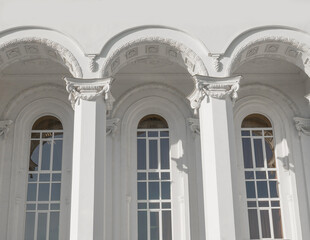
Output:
x=42 y=206
x=166 y=222
x=264 y=217
x=55 y=192
x=249 y=175
x=44 y=189
x=253 y=224
x=154 y=205
x=250 y=190
x=154 y=176
x=258 y=149
x=153 y=154
x=32 y=177
x=262 y=190
x=247 y=153
x=32 y=192
x=245 y=133
x=154 y=220
x=54 y=226
x=57 y=155
x=141 y=191
x=251 y=204
x=46 y=155
x=142 y=205
x=44 y=177
x=42 y=226
x=164 y=134
x=165 y=190
x=164 y=153
x=165 y=176
x=141 y=154
x=152 y=134
x=142 y=225
x=273 y=186
x=56 y=177
x=29 y=228
x=261 y=175
x=277 y=225
x=141 y=176
x=55 y=206
x=272 y=175
x=153 y=190
x=34 y=155
x=271 y=162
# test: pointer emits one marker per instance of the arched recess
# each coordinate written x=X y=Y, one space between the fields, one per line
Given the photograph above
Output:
x=154 y=47
x=19 y=166
x=279 y=109
x=165 y=102
x=32 y=44
x=283 y=43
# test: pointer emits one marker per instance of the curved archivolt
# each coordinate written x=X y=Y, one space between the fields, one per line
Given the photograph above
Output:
x=33 y=49
x=146 y=48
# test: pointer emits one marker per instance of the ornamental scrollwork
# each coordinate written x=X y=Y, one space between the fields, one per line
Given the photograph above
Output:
x=213 y=87
x=88 y=89
x=302 y=125
x=5 y=127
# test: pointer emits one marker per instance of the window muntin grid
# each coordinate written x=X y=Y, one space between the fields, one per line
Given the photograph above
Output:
x=44 y=185
x=261 y=179
x=153 y=185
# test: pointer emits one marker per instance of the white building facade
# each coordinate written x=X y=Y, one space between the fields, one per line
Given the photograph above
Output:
x=148 y=125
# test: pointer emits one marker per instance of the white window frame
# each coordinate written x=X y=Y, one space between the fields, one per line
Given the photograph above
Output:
x=287 y=187
x=20 y=163
x=128 y=165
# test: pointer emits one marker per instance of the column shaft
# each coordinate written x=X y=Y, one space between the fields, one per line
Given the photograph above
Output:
x=217 y=150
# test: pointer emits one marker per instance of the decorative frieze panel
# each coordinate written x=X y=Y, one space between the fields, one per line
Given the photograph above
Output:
x=5 y=127
x=89 y=89
x=279 y=47
x=153 y=47
x=213 y=87
x=38 y=48
x=302 y=125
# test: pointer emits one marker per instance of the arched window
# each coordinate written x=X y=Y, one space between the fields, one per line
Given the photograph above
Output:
x=153 y=179
x=44 y=180
x=261 y=178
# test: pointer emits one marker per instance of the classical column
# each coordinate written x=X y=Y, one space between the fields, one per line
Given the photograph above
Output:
x=90 y=99
x=303 y=128
x=214 y=98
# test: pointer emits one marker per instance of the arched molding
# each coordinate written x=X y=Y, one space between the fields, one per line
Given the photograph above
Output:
x=152 y=89
x=139 y=107
x=279 y=110
x=19 y=164
x=35 y=42
x=286 y=44
x=270 y=93
x=23 y=98
x=139 y=49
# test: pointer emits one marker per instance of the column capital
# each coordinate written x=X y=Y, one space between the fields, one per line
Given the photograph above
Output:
x=5 y=127
x=89 y=90
x=302 y=125
x=213 y=87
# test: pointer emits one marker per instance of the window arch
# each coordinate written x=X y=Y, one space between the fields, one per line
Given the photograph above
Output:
x=153 y=179
x=44 y=180
x=261 y=178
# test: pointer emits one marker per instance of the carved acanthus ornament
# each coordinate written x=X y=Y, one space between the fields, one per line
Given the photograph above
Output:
x=194 y=125
x=89 y=90
x=213 y=87
x=112 y=126
x=5 y=127
x=93 y=65
x=216 y=61
x=302 y=125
